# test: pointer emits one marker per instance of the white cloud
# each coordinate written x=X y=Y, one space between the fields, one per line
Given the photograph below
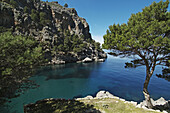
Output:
x=98 y=39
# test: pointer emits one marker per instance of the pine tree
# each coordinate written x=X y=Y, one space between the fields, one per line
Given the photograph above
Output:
x=18 y=57
x=147 y=35
x=66 y=5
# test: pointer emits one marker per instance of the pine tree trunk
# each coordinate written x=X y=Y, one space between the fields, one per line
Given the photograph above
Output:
x=146 y=93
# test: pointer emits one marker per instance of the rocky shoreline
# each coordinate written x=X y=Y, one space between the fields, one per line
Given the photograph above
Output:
x=158 y=104
x=85 y=60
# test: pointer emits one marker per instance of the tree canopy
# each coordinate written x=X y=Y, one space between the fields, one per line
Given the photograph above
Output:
x=66 y=5
x=18 y=57
x=74 y=43
x=147 y=35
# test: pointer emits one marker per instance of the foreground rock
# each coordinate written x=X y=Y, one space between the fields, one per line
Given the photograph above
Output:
x=104 y=94
x=103 y=101
x=159 y=105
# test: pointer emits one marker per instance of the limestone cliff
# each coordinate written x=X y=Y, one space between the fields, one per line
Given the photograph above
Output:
x=49 y=22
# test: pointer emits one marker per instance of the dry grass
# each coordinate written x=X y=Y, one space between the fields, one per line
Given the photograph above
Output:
x=108 y=105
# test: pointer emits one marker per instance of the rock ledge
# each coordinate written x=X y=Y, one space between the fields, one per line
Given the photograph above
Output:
x=158 y=103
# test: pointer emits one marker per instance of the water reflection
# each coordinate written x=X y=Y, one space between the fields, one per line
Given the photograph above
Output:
x=79 y=80
x=81 y=70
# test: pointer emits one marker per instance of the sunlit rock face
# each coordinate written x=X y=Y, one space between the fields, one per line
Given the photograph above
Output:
x=47 y=22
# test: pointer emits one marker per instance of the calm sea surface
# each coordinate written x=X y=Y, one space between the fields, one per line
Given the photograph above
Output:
x=79 y=80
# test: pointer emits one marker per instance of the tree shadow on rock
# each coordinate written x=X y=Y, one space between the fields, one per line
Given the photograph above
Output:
x=59 y=106
x=164 y=107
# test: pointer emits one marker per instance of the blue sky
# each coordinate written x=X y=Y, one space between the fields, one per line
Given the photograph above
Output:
x=101 y=13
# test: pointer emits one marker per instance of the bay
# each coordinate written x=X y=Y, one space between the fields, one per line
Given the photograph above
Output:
x=79 y=80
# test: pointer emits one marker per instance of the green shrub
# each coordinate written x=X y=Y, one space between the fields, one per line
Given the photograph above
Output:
x=4 y=29
x=97 y=45
x=19 y=56
x=60 y=47
x=26 y=9
x=77 y=49
x=13 y=3
x=43 y=19
x=34 y=15
x=7 y=1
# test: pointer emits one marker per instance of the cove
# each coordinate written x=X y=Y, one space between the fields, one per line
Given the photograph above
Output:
x=79 y=80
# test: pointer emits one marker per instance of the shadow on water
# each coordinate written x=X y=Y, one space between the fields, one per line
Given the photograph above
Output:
x=53 y=72
x=79 y=80
x=72 y=70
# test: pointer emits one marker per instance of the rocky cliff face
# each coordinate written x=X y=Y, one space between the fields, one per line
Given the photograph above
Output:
x=48 y=22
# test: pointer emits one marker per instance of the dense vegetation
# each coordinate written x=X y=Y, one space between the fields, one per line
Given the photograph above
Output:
x=72 y=43
x=40 y=18
x=147 y=35
x=18 y=57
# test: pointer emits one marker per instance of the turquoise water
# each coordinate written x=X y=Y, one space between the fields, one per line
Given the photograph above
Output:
x=79 y=80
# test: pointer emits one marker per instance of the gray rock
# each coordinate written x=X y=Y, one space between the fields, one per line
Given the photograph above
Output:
x=157 y=110
x=122 y=99
x=160 y=101
x=100 y=60
x=88 y=97
x=165 y=111
x=87 y=60
x=52 y=33
x=103 y=55
x=139 y=106
x=104 y=94
x=134 y=103
x=144 y=103
x=58 y=62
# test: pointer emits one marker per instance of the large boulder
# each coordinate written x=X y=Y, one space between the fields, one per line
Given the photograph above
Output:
x=160 y=101
x=104 y=94
x=87 y=60
x=158 y=104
